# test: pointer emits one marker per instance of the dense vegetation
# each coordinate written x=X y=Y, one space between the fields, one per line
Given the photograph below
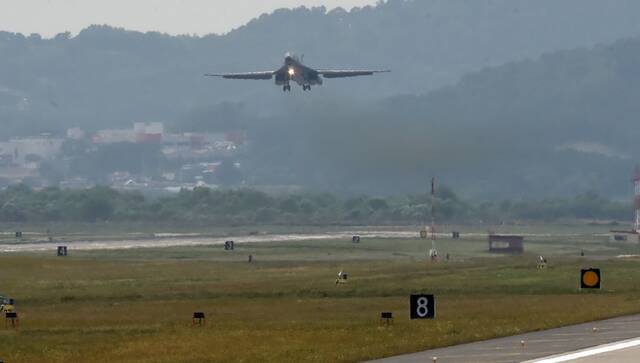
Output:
x=105 y=77
x=560 y=125
x=547 y=127
x=285 y=307
x=243 y=207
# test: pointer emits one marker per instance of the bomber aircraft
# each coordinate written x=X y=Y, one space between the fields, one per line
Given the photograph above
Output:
x=294 y=70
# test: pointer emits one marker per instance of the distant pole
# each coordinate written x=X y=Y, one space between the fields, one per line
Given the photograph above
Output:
x=433 y=209
x=434 y=252
x=636 y=183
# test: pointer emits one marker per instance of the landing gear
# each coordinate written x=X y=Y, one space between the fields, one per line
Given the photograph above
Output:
x=286 y=88
x=306 y=87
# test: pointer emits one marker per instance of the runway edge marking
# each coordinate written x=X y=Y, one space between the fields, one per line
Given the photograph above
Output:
x=606 y=348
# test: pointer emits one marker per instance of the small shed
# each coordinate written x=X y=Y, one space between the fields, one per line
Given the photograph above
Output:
x=501 y=243
x=624 y=236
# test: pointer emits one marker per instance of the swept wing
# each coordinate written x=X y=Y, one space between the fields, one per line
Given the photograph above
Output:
x=249 y=75
x=327 y=73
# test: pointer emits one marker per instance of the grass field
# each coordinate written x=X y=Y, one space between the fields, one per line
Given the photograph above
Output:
x=136 y=305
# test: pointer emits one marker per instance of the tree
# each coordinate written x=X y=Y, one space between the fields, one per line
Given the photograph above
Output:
x=228 y=174
x=96 y=208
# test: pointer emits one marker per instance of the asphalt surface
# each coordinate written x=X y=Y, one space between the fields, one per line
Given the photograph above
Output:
x=540 y=345
x=627 y=351
x=120 y=244
x=630 y=355
x=171 y=240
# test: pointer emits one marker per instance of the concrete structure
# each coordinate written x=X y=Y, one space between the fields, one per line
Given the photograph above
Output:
x=506 y=243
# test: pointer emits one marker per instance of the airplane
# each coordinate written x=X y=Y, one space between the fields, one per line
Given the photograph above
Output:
x=294 y=70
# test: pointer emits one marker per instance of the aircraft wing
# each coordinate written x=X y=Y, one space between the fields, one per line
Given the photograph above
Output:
x=349 y=73
x=249 y=75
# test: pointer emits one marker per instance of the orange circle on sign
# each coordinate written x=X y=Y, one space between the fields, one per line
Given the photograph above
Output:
x=590 y=278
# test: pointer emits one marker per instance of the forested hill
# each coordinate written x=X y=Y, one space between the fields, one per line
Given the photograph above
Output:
x=562 y=124
x=106 y=77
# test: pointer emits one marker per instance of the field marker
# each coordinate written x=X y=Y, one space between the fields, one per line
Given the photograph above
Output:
x=590 y=352
x=62 y=251
x=386 y=318
x=12 y=317
x=229 y=246
x=198 y=318
x=422 y=307
x=590 y=278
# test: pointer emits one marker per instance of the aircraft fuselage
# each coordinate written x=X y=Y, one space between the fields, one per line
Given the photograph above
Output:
x=294 y=71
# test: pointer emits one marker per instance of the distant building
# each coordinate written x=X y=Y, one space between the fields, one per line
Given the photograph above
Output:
x=148 y=132
x=156 y=128
x=140 y=133
x=113 y=136
x=506 y=244
x=6 y=160
x=75 y=134
x=28 y=150
x=236 y=137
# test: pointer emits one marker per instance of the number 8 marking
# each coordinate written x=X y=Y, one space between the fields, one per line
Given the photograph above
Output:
x=423 y=308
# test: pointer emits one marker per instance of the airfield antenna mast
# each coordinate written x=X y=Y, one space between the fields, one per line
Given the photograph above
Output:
x=636 y=183
x=433 y=253
x=433 y=209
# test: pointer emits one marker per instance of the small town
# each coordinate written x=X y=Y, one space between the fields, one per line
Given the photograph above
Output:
x=143 y=157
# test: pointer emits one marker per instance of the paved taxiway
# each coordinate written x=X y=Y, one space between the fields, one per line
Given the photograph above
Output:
x=627 y=351
x=540 y=345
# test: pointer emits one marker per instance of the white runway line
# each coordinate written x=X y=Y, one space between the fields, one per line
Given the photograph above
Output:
x=590 y=352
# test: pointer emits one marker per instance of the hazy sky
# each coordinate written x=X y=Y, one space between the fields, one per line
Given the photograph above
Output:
x=49 y=17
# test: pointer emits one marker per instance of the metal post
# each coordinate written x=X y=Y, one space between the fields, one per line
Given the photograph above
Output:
x=636 y=184
x=433 y=221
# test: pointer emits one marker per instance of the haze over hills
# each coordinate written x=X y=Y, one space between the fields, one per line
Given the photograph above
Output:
x=560 y=124
x=108 y=76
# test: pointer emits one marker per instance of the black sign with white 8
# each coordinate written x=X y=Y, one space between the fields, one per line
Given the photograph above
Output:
x=422 y=306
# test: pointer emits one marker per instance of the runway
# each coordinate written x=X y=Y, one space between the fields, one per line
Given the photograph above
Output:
x=162 y=240
x=612 y=340
x=195 y=240
x=627 y=351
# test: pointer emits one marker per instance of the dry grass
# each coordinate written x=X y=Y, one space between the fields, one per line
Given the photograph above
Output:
x=135 y=306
